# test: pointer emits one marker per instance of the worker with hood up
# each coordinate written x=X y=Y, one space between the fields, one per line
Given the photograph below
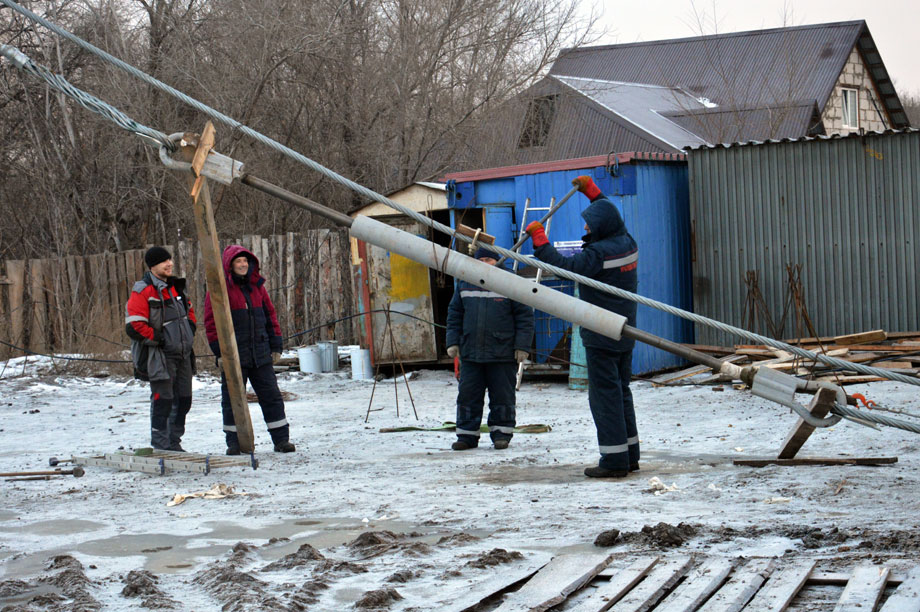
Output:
x=610 y=256
x=258 y=341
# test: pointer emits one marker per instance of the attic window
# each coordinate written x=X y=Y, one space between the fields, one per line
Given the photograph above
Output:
x=850 y=108
x=537 y=122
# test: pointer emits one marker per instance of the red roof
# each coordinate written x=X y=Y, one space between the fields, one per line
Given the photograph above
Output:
x=565 y=164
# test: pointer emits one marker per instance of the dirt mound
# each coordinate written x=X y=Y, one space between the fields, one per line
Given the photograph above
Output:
x=381 y=598
x=403 y=576
x=9 y=588
x=306 y=595
x=662 y=535
x=374 y=539
x=64 y=562
x=304 y=555
x=238 y=591
x=494 y=557
x=457 y=539
x=141 y=583
x=607 y=538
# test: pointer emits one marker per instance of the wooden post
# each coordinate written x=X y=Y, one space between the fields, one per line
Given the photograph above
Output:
x=196 y=151
x=820 y=406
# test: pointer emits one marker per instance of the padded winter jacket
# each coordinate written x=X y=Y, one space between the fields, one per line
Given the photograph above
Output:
x=158 y=316
x=486 y=325
x=255 y=323
x=609 y=255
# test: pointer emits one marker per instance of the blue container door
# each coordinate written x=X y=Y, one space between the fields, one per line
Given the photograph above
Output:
x=499 y=221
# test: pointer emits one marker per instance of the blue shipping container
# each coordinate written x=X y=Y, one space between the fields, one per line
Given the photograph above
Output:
x=651 y=192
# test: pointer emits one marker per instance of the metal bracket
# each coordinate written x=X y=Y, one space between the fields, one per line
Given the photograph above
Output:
x=780 y=388
x=218 y=167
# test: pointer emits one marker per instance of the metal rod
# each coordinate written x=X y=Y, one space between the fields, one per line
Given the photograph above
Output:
x=523 y=237
x=297 y=200
x=673 y=347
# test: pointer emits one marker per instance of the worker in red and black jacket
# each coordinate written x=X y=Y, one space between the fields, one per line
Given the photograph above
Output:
x=609 y=255
x=258 y=341
x=161 y=324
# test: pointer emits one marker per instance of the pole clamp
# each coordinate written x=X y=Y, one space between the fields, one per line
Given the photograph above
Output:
x=217 y=166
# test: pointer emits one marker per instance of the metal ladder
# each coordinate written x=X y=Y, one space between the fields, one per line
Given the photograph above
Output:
x=528 y=208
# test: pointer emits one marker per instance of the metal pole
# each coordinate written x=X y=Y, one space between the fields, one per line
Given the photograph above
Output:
x=523 y=237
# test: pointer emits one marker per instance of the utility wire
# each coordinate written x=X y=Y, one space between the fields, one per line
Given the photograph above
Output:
x=374 y=196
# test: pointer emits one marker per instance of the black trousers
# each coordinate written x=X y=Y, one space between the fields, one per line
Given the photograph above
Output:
x=475 y=379
x=265 y=385
x=170 y=402
x=612 y=407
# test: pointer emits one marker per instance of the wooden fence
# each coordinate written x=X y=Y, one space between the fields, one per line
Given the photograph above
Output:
x=77 y=304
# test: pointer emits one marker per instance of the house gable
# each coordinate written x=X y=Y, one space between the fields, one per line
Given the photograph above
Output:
x=869 y=112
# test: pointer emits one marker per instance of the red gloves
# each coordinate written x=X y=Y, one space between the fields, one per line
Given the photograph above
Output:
x=586 y=185
x=537 y=234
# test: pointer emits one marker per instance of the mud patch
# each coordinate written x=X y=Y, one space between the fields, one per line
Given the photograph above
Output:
x=11 y=588
x=72 y=582
x=304 y=555
x=141 y=583
x=373 y=543
x=496 y=556
x=237 y=590
x=457 y=539
x=662 y=535
x=381 y=598
x=403 y=576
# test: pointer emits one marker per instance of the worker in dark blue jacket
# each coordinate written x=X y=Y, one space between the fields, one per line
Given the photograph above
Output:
x=491 y=334
x=609 y=255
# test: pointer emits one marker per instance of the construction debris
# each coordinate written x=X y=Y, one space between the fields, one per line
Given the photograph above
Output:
x=895 y=351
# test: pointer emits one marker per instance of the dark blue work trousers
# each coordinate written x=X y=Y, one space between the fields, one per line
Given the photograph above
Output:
x=475 y=378
x=612 y=407
x=265 y=385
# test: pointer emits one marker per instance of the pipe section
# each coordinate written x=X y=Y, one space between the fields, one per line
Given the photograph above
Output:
x=489 y=277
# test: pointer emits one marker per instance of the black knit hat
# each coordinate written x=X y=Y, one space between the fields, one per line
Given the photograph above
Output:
x=485 y=252
x=156 y=255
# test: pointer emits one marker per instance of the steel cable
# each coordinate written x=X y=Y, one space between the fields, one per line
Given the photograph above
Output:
x=372 y=195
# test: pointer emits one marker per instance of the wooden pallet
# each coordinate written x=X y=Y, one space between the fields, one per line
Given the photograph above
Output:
x=683 y=583
x=160 y=462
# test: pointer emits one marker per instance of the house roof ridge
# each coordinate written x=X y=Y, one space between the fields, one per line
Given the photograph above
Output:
x=663 y=41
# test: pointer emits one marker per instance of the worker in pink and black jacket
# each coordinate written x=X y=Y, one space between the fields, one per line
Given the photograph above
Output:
x=258 y=341
x=609 y=255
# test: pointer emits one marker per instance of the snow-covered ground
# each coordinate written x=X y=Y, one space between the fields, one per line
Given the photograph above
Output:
x=401 y=510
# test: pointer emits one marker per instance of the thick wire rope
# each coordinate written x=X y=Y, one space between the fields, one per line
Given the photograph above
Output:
x=372 y=195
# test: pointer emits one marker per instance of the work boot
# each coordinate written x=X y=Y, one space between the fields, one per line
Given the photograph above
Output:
x=599 y=472
x=176 y=448
x=233 y=450
x=500 y=444
x=460 y=445
x=284 y=447
x=634 y=467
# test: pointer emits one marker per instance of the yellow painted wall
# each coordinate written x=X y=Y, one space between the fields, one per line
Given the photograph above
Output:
x=409 y=279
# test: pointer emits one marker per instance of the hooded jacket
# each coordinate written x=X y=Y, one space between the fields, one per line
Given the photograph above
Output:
x=609 y=255
x=255 y=323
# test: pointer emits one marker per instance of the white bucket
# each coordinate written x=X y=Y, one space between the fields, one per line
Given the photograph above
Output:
x=330 y=355
x=311 y=361
x=361 y=364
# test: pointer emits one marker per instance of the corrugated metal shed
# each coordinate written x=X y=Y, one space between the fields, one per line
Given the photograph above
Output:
x=846 y=208
x=650 y=190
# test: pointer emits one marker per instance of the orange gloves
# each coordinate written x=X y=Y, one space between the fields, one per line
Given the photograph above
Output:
x=537 y=234
x=586 y=185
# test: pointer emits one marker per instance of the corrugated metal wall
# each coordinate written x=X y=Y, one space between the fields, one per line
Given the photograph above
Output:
x=846 y=209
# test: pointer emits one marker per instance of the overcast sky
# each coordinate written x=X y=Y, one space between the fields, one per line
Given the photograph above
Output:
x=893 y=23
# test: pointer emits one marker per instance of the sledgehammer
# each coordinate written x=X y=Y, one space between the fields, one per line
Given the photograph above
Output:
x=77 y=471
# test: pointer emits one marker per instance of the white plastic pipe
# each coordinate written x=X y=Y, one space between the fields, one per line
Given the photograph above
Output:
x=489 y=277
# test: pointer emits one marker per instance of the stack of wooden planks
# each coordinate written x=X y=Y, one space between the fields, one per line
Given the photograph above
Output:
x=895 y=351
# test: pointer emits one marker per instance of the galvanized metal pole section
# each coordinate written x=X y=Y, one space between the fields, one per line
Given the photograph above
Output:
x=217 y=284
